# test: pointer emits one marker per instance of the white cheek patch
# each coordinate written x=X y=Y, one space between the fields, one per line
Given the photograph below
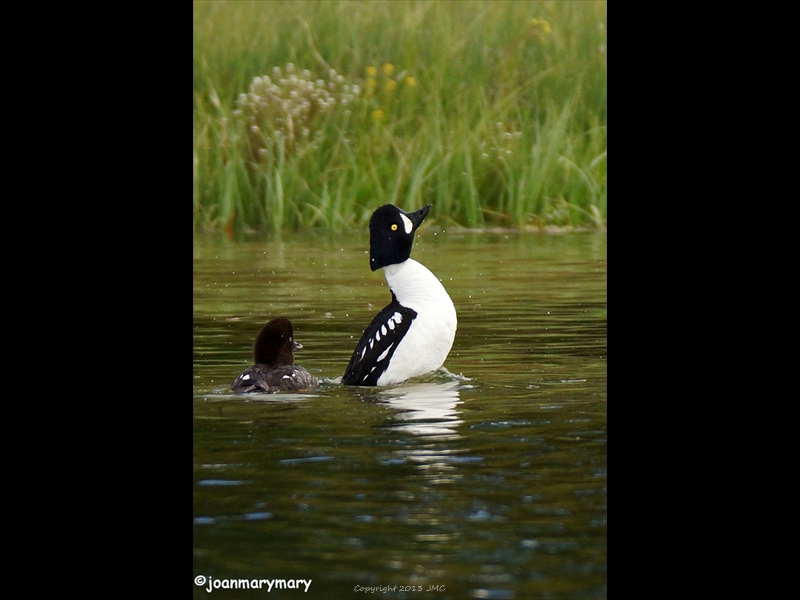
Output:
x=407 y=223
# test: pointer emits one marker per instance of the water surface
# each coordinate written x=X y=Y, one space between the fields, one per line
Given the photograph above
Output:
x=487 y=479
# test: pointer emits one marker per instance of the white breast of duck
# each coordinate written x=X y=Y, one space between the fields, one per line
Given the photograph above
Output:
x=428 y=341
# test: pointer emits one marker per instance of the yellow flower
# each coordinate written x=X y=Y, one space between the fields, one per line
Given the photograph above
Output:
x=390 y=85
x=388 y=69
x=371 y=85
x=371 y=71
x=541 y=23
x=377 y=115
x=411 y=82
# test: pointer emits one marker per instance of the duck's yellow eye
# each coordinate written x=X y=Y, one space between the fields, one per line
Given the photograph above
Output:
x=394 y=227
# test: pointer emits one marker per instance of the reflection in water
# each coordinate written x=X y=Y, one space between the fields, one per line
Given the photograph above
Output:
x=427 y=409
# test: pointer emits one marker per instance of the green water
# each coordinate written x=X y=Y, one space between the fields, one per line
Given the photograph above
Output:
x=487 y=480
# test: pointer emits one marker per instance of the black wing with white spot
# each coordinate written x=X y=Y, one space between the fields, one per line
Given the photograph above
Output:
x=377 y=345
x=266 y=380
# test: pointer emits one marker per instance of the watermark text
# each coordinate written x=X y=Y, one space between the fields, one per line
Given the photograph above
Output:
x=382 y=589
x=251 y=584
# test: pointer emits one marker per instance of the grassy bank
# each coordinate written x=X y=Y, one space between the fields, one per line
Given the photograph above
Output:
x=313 y=113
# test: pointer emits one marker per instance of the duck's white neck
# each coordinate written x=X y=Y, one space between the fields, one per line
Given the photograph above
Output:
x=413 y=283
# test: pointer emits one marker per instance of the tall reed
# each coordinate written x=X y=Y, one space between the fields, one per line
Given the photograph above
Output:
x=311 y=114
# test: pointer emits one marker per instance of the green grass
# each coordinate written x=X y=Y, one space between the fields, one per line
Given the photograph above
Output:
x=493 y=111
